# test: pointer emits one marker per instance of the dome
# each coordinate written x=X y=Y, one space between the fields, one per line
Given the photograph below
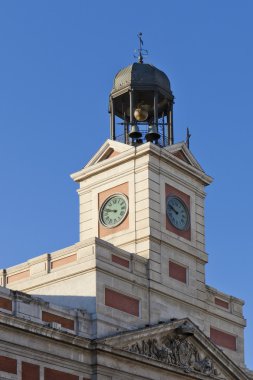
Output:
x=140 y=76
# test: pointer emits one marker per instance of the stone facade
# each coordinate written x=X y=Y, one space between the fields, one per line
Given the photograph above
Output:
x=130 y=301
x=35 y=347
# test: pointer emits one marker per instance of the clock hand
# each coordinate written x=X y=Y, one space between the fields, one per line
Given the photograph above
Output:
x=173 y=209
x=108 y=210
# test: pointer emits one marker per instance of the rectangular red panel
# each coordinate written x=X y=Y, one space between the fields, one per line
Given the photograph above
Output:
x=8 y=364
x=221 y=303
x=64 y=261
x=120 y=261
x=122 y=302
x=177 y=272
x=52 y=374
x=5 y=303
x=30 y=371
x=65 y=322
x=223 y=339
x=18 y=276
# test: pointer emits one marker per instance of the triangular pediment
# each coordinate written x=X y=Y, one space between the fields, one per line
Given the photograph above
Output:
x=114 y=153
x=181 y=347
x=182 y=152
x=108 y=150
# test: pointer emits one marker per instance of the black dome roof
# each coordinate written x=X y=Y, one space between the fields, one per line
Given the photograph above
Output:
x=140 y=75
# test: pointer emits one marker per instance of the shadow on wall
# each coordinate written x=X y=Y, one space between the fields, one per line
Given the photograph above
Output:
x=73 y=302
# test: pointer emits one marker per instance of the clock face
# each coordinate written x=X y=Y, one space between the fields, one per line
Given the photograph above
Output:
x=178 y=213
x=114 y=210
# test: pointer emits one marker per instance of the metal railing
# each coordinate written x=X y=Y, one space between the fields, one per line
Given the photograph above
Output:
x=162 y=141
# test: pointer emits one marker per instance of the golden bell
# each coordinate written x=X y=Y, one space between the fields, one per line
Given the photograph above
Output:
x=140 y=114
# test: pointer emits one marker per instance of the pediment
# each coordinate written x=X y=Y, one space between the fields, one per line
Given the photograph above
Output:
x=114 y=152
x=183 y=153
x=181 y=347
x=108 y=150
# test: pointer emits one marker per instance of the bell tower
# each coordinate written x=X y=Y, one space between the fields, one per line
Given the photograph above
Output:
x=141 y=190
x=141 y=105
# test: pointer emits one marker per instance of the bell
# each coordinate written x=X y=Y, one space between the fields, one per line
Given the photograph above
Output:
x=135 y=133
x=140 y=114
x=152 y=134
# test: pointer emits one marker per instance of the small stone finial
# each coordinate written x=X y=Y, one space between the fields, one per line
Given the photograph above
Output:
x=141 y=52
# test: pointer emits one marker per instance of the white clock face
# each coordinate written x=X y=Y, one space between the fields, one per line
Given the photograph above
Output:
x=178 y=213
x=114 y=210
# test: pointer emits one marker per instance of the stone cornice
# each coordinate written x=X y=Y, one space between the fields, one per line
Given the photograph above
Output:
x=30 y=327
x=134 y=153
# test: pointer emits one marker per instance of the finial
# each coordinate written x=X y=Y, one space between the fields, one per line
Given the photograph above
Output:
x=188 y=136
x=141 y=52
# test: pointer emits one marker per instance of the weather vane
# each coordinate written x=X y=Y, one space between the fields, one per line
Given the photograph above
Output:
x=141 y=52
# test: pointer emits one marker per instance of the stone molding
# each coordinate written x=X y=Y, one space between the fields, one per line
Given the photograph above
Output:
x=181 y=346
x=94 y=166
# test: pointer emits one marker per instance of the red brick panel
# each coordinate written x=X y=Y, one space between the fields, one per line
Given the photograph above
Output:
x=172 y=191
x=122 y=302
x=223 y=339
x=52 y=374
x=8 y=364
x=177 y=272
x=65 y=322
x=65 y=260
x=222 y=303
x=30 y=371
x=18 y=276
x=5 y=303
x=120 y=261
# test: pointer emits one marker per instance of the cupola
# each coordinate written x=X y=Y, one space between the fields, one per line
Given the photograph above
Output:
x=141 y=104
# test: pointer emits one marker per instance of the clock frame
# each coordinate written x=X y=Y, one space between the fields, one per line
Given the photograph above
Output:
x=177 y=212
x=102 y=196
x=172 y=192
x=114 y=210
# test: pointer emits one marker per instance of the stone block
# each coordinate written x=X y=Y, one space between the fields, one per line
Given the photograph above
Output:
x=141 y=185
x=139 y=268
x=199 y=210
x=85 y=205
x=142 y=195
x=27 y=310
x=155 y=186
x=142 y=224
x=142 y=205
x=142 y=214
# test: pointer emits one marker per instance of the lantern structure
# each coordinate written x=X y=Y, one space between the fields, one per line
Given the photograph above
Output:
x=141 y=105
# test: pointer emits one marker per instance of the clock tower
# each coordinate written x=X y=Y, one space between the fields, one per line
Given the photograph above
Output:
x=139 y=266
x=144 y=194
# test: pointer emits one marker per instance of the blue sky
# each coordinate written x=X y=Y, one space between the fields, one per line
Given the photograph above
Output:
x=58 y=60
